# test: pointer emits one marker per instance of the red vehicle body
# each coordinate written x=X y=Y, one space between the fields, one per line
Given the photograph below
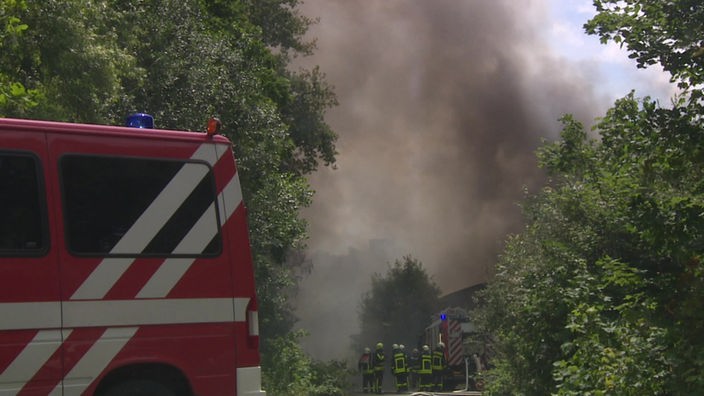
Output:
x=125 y=266
x=449 y=327
x=454 y=329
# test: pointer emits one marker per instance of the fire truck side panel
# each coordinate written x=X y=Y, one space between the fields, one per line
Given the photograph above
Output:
x=29 y=281
x=148 y=272
x=454 y=353
x=202 y=352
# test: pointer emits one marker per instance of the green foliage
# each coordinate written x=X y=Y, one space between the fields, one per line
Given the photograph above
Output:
x=398 y=306
x=331 y=378
x=292 y=373
x=314 y=139
x=612 y=337
x=281 y=24
x=70 y=54
x=601 y=293
x=289 y=371
x=301 y=97
x=668 y=33
x=15 y=98
x=275 y=23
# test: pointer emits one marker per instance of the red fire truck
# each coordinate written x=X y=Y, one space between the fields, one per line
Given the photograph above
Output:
x=125 y=266
x=463 y=353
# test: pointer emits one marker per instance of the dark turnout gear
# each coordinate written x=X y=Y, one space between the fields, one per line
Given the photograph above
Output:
x=413 y=367
x=367 y=370
x=425 y=370
x=379 y=363
x=439 y=364
x=400 y=370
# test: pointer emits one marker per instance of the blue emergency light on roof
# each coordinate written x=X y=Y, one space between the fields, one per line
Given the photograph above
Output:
x=140 y=120
x=443 y=316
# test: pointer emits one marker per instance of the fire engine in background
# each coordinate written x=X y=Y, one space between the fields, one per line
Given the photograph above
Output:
x=465 y=352
x=125 y=266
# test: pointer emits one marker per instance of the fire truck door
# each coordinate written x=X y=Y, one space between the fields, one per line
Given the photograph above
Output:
x=30 y=329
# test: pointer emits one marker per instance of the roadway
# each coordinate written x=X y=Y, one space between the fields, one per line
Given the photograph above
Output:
x=447 y=393
x=389 y=389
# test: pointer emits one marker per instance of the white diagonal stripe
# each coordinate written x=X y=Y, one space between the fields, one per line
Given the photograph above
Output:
x=165 y=278
x=173 y=269
x=34 y=355
x=230 y=197
x=200 y=235
x=147 y=226
x=96 y=359
x=207 y=152
x=161 y=209
x=221 y=149
x=102 y=278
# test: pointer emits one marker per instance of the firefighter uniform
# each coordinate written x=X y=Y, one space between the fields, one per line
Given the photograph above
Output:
x=400 y=369
x=425 y=370
x=413 y=367
x=379 y=363
x=367 y=371
x=439 y=364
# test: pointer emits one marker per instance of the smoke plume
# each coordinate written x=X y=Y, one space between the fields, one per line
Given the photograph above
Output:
x=442 y=106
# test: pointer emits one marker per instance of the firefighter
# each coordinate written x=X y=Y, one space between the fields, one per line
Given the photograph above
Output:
x=425 y=371
x=400 y=368
x=367 y=371
x=439 y=365
x=413 y=367
x=379 y=363
x=408 y=367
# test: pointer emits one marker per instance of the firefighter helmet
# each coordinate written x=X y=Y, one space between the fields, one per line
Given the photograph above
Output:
x=441 y=345
x=426 y=348
x=394 y=346
x=401 y=347
x=367 y=350
x=379 y=345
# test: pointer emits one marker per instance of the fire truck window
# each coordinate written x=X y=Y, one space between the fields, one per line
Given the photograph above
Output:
x=23 y=226
x=150 y=205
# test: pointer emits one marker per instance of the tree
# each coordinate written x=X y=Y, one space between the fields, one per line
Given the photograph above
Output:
x=15 y=98
x=668 y=33
x=398 y=306
x=71 y=57
x=301 y=96
x=292 y=373
x=602 y=292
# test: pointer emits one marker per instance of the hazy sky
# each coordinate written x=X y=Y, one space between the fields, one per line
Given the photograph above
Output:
x=442 y=106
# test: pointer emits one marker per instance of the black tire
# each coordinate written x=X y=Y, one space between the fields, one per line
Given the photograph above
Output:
x=139 y=388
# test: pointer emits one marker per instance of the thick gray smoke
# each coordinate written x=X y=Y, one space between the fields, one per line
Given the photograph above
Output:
x=442 y=106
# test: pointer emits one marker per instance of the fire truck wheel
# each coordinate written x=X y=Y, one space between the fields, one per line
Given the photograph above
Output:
x=139 y=388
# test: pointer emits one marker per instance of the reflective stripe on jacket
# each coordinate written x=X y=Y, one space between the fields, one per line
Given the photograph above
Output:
x=400 y=363
x=425 y=364
x=379 y=360
x=438 y=361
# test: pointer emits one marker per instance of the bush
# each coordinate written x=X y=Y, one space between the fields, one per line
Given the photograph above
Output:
x=288 y=371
